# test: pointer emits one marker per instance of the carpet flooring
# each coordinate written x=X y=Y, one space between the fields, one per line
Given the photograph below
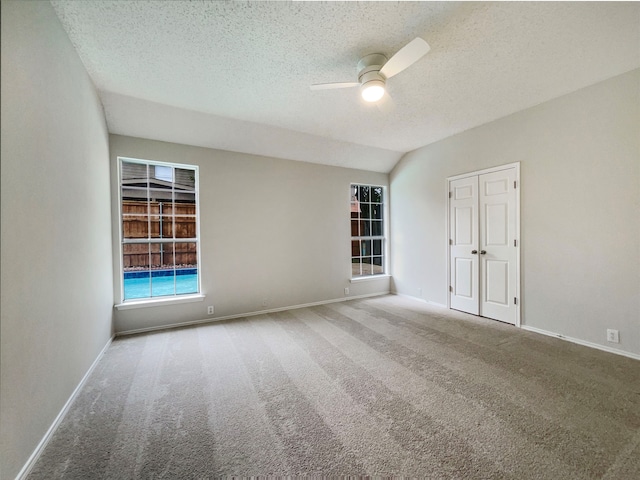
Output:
x=385 y=386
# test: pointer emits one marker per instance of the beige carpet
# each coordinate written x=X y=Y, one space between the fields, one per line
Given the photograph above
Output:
x=385 y=386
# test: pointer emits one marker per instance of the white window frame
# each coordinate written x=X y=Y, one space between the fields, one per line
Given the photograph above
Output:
x=371 y=237
x=175 y=297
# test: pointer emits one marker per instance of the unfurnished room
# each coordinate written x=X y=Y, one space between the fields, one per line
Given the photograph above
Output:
x=320 y=239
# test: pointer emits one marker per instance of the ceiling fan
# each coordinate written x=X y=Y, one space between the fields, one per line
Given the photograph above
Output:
x=375 y=69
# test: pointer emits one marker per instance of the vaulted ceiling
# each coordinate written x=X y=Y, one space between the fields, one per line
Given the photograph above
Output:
x=236 y=75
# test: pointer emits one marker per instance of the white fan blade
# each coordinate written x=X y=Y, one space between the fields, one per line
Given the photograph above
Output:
x=329 y=86
x=405 y=57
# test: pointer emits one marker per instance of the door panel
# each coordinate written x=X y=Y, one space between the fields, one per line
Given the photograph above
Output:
x=463 y=224
x=464 y=281
x=463 y=215
x=497 y=221
x=497 y=282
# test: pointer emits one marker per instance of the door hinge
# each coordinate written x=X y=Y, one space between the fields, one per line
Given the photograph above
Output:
x=514 y=184
x=515 y=301
x=450 y=288
x=515 y=243
x=450 y=242
x=449 y=194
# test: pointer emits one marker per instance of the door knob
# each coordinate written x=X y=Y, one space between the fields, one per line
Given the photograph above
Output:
x=482 y=252
x=473 y=252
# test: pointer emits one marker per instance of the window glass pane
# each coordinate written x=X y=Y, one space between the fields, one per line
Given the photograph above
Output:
x=355 y=208
x=365 y=210
x=365 y=247
x=355 y=267
x=163 y=282
x=355 y=248
x=185 y=226
x=154 y=224
x=187 y=198
x=376 y=211
x=376 y=228
x=133 y=171
x=137 y=285
x=363 y=194
x=154 y=208
x=167 y=226
x=140 y=194
x=377 y=247
x=135 y=226
x=136 y=271
x=365 y=228
x=166 y=261
x=167 y=208
x=366 y=266
x=185 y=179
x=376 y=194
x=185 y=208
x=135 y=256
x=186 y=255
x=155 y=251
x=355 y=228
x=159 y=195
x=376 y=267
x=154 y=220
x=163 y=172
x=187 y=280
x=131 y=207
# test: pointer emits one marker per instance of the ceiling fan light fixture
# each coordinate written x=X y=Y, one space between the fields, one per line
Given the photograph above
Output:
x=372 y=91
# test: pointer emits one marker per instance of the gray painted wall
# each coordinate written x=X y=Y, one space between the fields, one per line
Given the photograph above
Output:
x=580 y=204
x=56 y=231
x=270 y=229
x=269 y=226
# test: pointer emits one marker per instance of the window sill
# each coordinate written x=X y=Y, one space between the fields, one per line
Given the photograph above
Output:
x=157 y=302
x=369 y=278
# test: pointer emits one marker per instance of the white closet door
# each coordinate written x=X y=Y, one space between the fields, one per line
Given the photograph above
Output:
x=498 y=252
x=483 y=229
x=463 y=221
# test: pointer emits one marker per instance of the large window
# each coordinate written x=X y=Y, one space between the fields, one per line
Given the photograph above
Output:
x=367 y=230
x=159 y=229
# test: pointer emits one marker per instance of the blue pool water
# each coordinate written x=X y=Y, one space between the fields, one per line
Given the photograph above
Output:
x=161 y=283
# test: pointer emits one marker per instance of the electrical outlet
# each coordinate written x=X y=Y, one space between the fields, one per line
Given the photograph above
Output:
x=346 y=290
x=210 y=310
x=613 y=336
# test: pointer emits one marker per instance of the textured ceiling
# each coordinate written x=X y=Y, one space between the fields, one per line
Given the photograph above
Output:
x=236 y=75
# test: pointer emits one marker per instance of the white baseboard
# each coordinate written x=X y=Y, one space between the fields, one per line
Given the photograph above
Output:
x=248 y=314
x=56 y=422
x=581 y=342
x=585 y=343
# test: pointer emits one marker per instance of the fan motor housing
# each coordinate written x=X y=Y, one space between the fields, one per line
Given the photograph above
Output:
x=371 y=64
x=372 y=76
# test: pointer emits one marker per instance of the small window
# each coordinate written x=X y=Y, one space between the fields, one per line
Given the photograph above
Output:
x=367 y=230
x=158 y=229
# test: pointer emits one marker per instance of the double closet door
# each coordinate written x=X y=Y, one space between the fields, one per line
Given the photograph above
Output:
x=483 y=244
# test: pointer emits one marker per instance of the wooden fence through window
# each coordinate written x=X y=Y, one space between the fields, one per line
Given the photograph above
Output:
x=159 y=220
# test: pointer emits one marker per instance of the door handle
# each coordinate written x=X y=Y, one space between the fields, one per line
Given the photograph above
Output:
x=482 y=252
x=473 y=252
